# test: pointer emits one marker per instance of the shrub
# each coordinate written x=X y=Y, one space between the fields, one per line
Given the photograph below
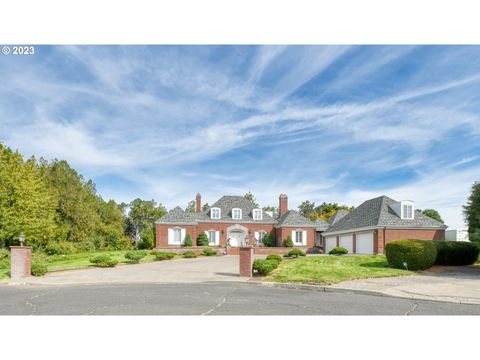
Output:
x=296 y=253
x=338 y=251
x=456 y=253
x=84 y=246
x=60 y=248
x=264 y=266
x=274 y=257
x=202 y=239
x=209 y=252
x=411 y=254
x=188 y=240
x=288 y=242
x=135 y=256
x=103 y=261
x=39 y=269
x=267 y=240
x=189 y=254
x=163 y=255
x=145 y=244
x=4 y=254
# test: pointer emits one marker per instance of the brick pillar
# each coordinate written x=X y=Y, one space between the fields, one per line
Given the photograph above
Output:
x=338 y=240
x=20 y=261
x=246 y=261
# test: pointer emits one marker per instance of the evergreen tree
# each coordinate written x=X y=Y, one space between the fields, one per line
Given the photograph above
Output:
x=249 y=196
x=191 y=206
x=472 y=213
x=432 y=213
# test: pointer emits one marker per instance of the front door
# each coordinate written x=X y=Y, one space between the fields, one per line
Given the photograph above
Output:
x=236 y=237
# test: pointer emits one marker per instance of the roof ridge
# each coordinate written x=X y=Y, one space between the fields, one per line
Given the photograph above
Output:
x=381 y=208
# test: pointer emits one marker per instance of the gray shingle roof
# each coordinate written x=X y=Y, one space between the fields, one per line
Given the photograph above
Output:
x=293 y=218
x=378 y=212
x=177 y=216
x=227 y=203
x=339 y=214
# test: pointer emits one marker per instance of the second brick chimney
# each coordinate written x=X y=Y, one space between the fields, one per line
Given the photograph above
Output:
x=198 y=203
x=282 y=204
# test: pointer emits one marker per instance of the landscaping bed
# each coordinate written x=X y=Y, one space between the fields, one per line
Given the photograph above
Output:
x=333 y=269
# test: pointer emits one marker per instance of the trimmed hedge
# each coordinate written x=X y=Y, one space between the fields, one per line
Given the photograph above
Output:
x=39 y=269
x=202 y=239
x=264 y=266
x=188 y=240
x=4 y=254
x=189 y=254
x=104 y=261
x=163 y=255
x=274 y=257
x=456 y=253
x=209 y=252
x=338 y=251
x=296 y=253
x=288 y=242
x=416 y=254
x=135 y=256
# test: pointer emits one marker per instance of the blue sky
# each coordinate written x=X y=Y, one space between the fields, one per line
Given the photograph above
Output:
x=324 y=123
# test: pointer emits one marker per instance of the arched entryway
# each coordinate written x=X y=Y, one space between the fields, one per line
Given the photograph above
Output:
x=237 y=235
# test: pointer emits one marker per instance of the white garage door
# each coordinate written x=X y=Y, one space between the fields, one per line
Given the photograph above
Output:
x=346 y=241
x=365 y=243
x=330 y=243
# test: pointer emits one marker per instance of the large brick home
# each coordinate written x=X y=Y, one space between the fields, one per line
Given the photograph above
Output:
x=234 y=220
x=377 y=221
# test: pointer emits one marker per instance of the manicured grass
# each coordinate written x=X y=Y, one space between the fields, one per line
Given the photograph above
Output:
x=333 y=269
x=75 y=261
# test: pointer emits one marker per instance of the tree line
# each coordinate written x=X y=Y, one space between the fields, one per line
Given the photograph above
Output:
x=49 y=202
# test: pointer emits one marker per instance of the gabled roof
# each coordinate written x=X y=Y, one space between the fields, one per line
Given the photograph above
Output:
x=227 y=203
x=339 y=214
x=293 y=218
x=177 y=216
x=377 y=212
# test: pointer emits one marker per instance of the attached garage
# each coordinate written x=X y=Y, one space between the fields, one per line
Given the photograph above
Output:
x=346 y=241
x=364 y=243
x=330 y=243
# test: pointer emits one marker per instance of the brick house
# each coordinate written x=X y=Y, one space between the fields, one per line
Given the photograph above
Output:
x=368 y=228
x=234 y=221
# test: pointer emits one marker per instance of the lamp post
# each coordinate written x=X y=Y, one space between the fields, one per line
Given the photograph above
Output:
x=21 y=238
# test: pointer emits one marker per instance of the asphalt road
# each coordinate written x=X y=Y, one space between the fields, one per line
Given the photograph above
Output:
x=208 y=299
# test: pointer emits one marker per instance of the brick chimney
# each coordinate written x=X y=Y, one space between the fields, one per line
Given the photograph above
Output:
x=198 y=203
x=283 y=204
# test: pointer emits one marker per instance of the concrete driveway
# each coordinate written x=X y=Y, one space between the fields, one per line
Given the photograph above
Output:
x=201 y=269
x=460 y=284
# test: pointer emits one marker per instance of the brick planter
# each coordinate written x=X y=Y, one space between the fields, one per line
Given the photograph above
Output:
x=20 y=262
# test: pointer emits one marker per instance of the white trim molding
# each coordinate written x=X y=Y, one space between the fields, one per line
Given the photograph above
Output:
x=215 y=213
x=257 y=214
x=236 y=211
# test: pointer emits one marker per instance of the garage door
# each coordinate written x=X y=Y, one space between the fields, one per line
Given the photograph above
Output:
x=365 y=243
x=346 y=241
x=330 y=243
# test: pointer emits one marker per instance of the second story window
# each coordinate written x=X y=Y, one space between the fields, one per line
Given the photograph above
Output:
x=237 y=214
x=407 y=211
x=215 y=213
x=257 y=214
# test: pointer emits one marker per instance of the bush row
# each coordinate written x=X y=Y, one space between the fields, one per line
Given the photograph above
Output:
x=413 y=254
x=267 y=265
x=338 y=251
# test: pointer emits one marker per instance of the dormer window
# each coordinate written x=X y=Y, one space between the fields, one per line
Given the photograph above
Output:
x=236 y=214
x=257 y=214
x=215 y=213
x=407 y=211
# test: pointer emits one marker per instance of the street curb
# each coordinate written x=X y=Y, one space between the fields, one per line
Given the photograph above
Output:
x=358 y=291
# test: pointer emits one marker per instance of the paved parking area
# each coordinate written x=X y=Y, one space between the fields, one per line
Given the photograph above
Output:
x=201 y=269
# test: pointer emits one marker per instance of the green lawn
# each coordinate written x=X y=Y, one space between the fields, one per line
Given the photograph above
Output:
x=333 y=269
x=74 y=261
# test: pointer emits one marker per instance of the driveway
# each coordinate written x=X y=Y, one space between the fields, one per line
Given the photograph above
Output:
x=201 y=269
x=440 y=283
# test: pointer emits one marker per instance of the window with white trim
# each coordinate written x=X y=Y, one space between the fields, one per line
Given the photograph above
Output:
x=299 y=237
x=211 y=237
x=257 y=214
x=215 y=213
x=261 y=235
x=177 y=236
x=236 y=214
x=407 y=211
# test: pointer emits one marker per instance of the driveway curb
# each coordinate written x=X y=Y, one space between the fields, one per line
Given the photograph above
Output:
x=365 y=292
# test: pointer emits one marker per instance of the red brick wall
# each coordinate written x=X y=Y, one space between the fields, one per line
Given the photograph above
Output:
x=161 y=234
x=283 y=232
x=382 y=237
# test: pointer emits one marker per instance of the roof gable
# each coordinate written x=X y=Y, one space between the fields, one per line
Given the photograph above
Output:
x=177 y=216
x=293 y=218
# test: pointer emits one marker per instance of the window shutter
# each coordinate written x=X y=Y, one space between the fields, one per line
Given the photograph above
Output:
x=170 y=236
x=256 y=235
x=182 y=236
x=304 y=237
x=293 y=236
x=217 y=237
